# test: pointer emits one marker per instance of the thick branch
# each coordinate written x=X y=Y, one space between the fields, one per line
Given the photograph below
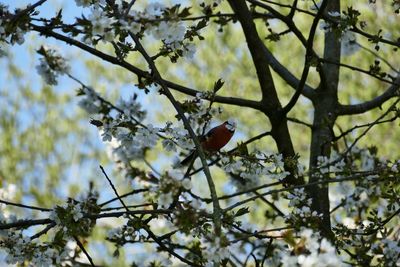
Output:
x=256 y=48
x=286 y=75
x=390 y=92
x=282 y=71
x=271 y=105
x=309 y=54
x=113 y=60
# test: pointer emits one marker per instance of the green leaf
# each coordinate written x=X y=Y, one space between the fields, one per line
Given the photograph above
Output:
x=242 y=211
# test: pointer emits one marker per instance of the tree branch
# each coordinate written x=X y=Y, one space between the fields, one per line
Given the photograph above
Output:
x=256 y=48
x=84 y=251
x=390 y=92
x=308 y=57
x=23 y=206
x=113 y=60
x=271 y=105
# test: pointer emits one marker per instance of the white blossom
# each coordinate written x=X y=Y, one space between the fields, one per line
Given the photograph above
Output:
x=51 y=65
x=101 y=24
x=147 y=137
x=90 y=103
x=77 y=213
x=132 y=108
x=154 y=9
x=391 y=251
x=169 y=145
x=321 y=253
x=165 y=199
x=278 y=160
x=232 y=166
x=187 y=184
x=349 y=44
x=334 y=14
x=216 y=251
x=170 y=32
x=189 y=50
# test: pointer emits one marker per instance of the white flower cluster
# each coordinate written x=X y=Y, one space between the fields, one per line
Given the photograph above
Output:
x=132 y=108
x=101 y=24
x=131 y=23
x=86 y=3
x=366 y=159
x=127 y=145
x=22 y=249
x=176 y=136
x=301 y=206
x=385 y=250
x=125 y=233
x=171 y=32
x=51 y=65
x=146 y=137
x=391 y=251
x=363 y=196
x=251 y=170
x=316 y=252
x=215 y=251
x=298 y=197
x=15 y=37
x=75 y=212
x=169 y=186
x=202 y=108
x=333 y=164
x=91 y=102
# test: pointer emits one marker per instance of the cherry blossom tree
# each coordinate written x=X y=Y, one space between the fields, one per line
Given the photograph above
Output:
x=318 y=186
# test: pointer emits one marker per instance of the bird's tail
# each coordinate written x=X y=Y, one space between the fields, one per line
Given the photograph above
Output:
x=191 y=157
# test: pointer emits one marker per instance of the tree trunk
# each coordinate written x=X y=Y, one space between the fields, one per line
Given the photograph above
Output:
x=325 y=107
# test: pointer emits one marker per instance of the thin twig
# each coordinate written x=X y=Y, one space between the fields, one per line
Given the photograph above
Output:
x=27 y=10
x=84 y=250
x=362 y=126
x=23 y=206
x=133 y=192
x=44 y=231
x=114 y=189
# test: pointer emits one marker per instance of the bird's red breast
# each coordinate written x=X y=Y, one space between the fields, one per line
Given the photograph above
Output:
x=214 y=140
x=218 y=137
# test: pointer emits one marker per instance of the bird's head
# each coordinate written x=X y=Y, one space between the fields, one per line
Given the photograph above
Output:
x=230 y=125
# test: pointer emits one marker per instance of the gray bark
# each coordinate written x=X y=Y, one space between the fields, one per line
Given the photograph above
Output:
x=325 y=109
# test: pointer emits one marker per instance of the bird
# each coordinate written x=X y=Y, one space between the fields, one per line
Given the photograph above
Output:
x=213 y=140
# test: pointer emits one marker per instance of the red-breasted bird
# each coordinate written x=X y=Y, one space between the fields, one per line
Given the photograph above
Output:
x=214 y=139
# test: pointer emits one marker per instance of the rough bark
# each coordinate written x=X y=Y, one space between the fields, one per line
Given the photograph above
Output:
x=325 y=106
